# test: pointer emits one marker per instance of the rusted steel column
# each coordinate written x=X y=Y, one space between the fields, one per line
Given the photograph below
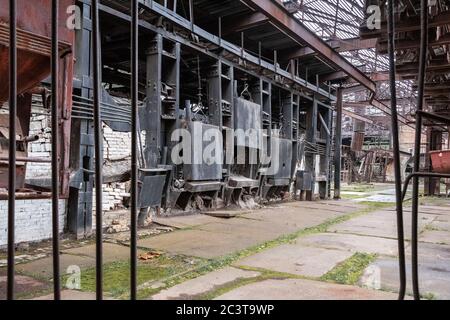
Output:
x=338 y=145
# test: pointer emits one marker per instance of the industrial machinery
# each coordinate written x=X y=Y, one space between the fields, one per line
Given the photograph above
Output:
x=33 y=59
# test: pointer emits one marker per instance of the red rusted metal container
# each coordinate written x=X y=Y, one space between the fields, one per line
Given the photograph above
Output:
x=440 y=161
x=33 y=65
x=33 y=42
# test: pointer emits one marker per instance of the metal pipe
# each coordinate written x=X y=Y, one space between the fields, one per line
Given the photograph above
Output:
x=27 y=159
x=396 y=152
x=421 y=175
x=98 y=151
x=12 y=145
x=31 y=139
x=134 y=141
x=55 y=153
x=434 y=117
x=418 y=137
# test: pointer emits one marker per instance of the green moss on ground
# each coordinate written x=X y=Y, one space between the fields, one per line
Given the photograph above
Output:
x=349 y=271
x=116 y=275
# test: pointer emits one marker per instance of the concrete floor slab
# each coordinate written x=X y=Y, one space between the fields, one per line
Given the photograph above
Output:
x=352 y=243
x=434 y=276
x=42 y=268
x=296 y=259
x=380 y=224
x=435 y=236
x=260 y=231
x=441 y=223
x=226 y=236
x=111 y=252
x=377 y=198
x=71 y=295
x=182 y=222
x=331 y=206
x=298 y=289
x=203 y=284
x=432 y=252
x=23 y=285
x=198 y=243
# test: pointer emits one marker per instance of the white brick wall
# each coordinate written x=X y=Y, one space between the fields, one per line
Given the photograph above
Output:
x=39 y=125
x=33 y=220
x=33 y=217
x=116 y=145
x=113 y=195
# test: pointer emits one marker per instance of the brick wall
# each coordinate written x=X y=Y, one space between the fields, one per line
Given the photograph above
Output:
x=33 y=220
x=33 y=217
x=40 y=126
x=116 y=145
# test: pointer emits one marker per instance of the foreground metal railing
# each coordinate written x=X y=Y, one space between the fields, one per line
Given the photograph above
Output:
x=396 y=151
x=417 y=174
x=97 y=120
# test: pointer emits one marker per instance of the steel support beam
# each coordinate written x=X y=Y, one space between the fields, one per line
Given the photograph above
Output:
x=337 y=45
x=285 y=22
x=242 y=23
x=357 y=116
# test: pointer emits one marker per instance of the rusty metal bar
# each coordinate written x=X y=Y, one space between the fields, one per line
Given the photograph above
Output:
x=434 y=117
x=284 y=21
x=28 y=159
x=134 y=142
x=55 y=153
x=12 y=145
x=98 y=152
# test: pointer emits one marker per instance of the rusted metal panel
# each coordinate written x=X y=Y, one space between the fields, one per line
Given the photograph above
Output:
x=33 y=41
x=34 y=52
x=440 y=161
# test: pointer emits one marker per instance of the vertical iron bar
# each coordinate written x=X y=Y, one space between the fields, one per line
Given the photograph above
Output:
x=338 y=145
x=98 y=151
x=396 y=151
x=55 y=151
x=417 y=145
x=12 y=145
x=134 y=141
